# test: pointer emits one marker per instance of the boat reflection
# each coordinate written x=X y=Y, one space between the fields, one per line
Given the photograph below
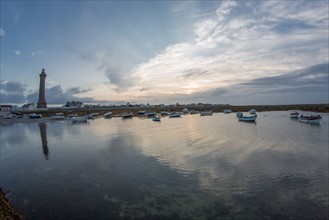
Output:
x=43 y=135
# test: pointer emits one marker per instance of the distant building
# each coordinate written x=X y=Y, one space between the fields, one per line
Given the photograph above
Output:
x=73 y=104
x=28 y=106
x=5 y=109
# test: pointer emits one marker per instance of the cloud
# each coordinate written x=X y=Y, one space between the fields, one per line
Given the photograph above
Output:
x=56 y=95
x=2 y=32
x=109 y=65
x=12 y=92
x=35 y=53
x=17 y=52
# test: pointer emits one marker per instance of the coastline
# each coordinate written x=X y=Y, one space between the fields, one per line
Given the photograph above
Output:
x=7 y=211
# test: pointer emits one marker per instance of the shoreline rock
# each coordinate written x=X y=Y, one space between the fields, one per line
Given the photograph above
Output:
x=7 y=211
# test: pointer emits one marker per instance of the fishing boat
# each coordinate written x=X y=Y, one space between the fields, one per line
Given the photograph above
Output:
x=192 y=112
x=150 y=114
x=165 y=113
x=156 y=118
x=206 y=113
x=107 y=114
x=79 y=119
x=175 y=115
x=252 y=111
x=141 y=113
x=57 y=117
x=185 y=111
x=35 y=116
x=226 y=111
x=248 y=118
x=310 y=119
x=126 y=115
x=294 y=114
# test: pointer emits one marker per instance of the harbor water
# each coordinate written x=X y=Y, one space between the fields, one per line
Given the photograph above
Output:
x=193 y=167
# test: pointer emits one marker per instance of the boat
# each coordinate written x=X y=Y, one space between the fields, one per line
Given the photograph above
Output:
x=107 y=114
x=226 y=111
x=126 y=115
x=141 y=113
x=165 y=113
x=239 y=114
x=70 y=116
x=252 y=111
x=294 y=114
x=150 y=114
x=185 y=111
x=57 y=117
x=192 y=112
x=34 y=116
x=206 y=113
x=79 y=119
x=248 y=118
x=175 y=115
x=310 y=119
x=7 y=116
x=156 y=118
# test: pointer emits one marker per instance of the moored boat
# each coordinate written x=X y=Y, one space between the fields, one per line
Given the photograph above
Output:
x=107 y=114
x=206 y=113
x=192 y=112
x=126 y=115
x=248 y=118
x=35 y=116
x=165 y=113
x=294 y=114
x=185 y=111
x=226 y=111
x=79 y=119
x=310 y=119
x=150 y=114
x=156 y=118
x=175 y=115
x=57 y=117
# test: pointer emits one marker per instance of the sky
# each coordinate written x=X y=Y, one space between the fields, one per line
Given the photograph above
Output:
x=164 y=52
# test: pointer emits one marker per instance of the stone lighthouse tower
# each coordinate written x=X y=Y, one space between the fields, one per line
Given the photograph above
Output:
x=42 y=96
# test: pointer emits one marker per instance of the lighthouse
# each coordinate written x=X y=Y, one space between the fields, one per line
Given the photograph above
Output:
x=42 y=96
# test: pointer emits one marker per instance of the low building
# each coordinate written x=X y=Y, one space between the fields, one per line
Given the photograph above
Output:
x=73 y=104
x=29 y=106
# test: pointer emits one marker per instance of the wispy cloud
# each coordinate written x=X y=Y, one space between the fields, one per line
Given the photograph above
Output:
x=237 y=43
x=17 y=52
x=35 y=53
x=2 y=32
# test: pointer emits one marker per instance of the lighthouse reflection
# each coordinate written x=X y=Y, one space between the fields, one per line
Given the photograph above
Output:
x=43 y=134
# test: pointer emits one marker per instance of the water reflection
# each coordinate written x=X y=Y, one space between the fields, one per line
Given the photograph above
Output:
x=43 y=134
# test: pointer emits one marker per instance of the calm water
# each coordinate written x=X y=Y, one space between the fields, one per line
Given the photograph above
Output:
x=210 y=167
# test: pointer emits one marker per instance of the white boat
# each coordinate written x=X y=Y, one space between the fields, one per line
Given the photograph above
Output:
x=175 y=115
x=72 y=116
x=79 y=119
x=126 y=115
x=315 y=119
x=248 y=118
x=206 y=113
x=192 y=112
x=107 y=114
x=156 y=118
x=226 y=111
x=57 y=117
x=294 y=114
x=252 y=111
x=185 y=111
x=34 y=116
